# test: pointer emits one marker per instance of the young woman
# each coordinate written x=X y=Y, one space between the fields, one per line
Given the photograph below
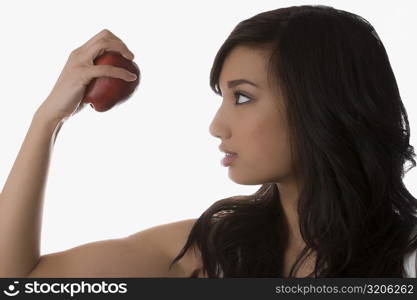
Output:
x=312 y=111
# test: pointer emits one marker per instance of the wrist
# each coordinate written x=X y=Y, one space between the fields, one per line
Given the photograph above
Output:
x=49 y=123
x=43 y=116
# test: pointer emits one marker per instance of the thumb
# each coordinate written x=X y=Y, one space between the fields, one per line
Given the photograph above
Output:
x=79 y=108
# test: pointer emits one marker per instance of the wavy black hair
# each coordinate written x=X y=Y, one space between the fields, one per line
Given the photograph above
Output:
x=350 y=136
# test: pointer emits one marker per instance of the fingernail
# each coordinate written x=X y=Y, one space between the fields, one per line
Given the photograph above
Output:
x=129 y=56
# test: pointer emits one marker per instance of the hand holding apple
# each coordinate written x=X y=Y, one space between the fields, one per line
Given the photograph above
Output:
x=66 y=97
x=105 y=92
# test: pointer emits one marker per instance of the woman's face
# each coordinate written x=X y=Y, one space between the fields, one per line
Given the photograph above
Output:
x=256 y=129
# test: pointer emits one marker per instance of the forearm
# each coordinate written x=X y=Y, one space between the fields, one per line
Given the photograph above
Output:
x=21 y=200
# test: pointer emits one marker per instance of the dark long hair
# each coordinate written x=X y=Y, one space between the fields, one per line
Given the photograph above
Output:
x=350 y=136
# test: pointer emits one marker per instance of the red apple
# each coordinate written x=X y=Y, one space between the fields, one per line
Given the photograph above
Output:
x=104 y=92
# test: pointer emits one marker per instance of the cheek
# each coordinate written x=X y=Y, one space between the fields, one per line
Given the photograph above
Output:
x=270 y=150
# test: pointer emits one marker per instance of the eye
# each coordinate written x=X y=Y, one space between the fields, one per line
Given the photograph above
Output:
x=237 y=96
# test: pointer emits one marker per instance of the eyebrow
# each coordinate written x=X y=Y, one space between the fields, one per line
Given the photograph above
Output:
x=233 y=83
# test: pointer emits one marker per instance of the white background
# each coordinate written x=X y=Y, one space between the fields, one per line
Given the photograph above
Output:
x=151 y=160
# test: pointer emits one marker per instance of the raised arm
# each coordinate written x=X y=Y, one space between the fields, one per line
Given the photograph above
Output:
x=21 y=200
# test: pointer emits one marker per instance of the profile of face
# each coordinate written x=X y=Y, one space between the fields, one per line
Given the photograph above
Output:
x=251 y=120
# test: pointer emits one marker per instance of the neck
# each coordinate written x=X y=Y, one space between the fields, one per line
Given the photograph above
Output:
x=289 y=193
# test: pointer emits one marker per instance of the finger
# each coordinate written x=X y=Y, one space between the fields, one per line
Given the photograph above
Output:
x=105 y=35
x=102 y=34
x=104 y=45
x=109 y=71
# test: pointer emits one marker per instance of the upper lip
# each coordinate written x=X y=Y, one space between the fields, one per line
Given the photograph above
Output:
x=222 y=149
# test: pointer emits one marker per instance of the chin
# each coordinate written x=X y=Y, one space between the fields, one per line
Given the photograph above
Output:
x=245 y=179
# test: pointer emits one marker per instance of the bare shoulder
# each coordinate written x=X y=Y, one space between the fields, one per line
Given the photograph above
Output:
x=170 y=238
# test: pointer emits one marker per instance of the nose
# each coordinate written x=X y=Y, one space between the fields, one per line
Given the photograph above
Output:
x=219 y=127
x=213 y=130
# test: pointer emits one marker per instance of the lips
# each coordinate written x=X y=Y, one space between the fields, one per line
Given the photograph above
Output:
x=228 y=159
x=223 y=149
